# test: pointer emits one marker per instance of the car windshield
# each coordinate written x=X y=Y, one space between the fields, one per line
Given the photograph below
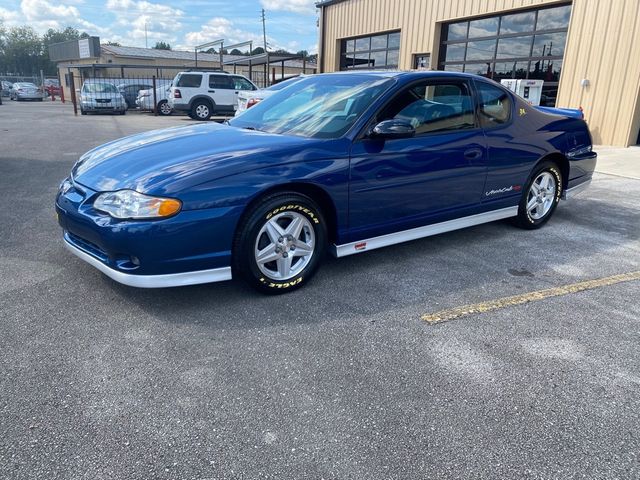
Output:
x=320 y=106
x=26 y=85
x=99 y=88
x=284 y=84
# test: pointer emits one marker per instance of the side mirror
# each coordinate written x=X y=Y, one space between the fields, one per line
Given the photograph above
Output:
x=393 y=129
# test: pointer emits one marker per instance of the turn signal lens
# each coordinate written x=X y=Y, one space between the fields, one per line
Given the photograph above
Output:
x=169 y=207
x=134 y=205
x=252 y=101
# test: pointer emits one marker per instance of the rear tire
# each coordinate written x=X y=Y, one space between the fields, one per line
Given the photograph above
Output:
x=201 y=110
x=280 y=243
x=540 y=196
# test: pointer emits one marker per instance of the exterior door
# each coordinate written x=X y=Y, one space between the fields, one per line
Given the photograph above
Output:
x=434 y=176
x=223 y=91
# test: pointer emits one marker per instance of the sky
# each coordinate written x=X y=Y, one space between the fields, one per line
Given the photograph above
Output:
x=291 y=24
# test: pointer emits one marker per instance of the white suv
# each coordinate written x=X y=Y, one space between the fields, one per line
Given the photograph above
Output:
x=202 y=94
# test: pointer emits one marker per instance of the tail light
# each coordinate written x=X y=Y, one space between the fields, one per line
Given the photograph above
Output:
x=252 y=101
x=177 y=94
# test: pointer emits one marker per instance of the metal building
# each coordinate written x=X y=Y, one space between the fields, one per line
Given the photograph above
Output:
x=586 y=51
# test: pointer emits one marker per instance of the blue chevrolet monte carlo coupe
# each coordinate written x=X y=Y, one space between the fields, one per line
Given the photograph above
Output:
x=345 y=162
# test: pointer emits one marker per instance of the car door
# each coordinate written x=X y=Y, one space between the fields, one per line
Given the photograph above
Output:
x=436 y=175
x=222 y=90
x=511 y=152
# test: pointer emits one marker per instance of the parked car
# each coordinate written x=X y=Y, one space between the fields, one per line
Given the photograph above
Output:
x=345 y=162
x=203 y=94
x=5 y=88
x=25 y=91
x=130 y=92
x=145 y=99
x=101 y=96
x=248 y=98
x=52 y=87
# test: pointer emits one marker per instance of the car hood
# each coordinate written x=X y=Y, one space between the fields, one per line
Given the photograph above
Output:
x=170 y=160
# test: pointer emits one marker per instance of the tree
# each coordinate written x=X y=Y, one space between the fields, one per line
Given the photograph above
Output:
x=257 y=51
x=23 y=51
x=235 y=51
x=303 y=53
x=162 y=46
x=112 y=44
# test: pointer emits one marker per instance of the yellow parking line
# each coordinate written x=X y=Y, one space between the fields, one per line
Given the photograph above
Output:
x=453 y=313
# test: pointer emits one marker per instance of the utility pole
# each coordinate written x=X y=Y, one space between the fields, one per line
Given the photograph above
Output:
x=146 y=44
x=264 y=31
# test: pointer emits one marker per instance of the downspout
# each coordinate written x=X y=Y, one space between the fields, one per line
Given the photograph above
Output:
x=321 y=40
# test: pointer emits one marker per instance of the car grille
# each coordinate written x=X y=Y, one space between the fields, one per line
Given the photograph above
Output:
x=103 y=100
x=88 y=247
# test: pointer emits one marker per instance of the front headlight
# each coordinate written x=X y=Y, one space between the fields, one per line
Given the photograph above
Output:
x=131 y=204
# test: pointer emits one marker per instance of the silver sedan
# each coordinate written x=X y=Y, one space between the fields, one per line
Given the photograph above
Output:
x=25 y=91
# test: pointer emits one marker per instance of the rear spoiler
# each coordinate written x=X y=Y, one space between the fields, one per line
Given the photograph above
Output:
x=566 y=112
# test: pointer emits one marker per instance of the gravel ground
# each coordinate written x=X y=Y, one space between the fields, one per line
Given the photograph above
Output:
x=339 y=380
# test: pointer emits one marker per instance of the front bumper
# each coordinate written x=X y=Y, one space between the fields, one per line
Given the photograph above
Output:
x=192 y=247
x=29 y=96
x=150 y=281
x=102 y=107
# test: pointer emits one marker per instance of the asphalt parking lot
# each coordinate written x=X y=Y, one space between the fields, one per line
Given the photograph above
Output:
x=343 y=379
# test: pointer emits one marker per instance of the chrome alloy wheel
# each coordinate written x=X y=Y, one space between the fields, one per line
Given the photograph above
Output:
x=284 y=246
x=202 y=111
x=165 y=109
x=541 y=195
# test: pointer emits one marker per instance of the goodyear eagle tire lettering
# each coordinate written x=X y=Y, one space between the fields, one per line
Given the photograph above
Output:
x=251 y=237
x=525 y=219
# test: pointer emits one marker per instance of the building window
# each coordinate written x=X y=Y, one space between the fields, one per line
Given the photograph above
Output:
x=374 y=52
x=422 y=61
x=527 y=44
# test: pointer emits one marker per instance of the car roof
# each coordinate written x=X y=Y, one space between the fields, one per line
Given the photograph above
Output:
x=405 y=73
x=205 y=71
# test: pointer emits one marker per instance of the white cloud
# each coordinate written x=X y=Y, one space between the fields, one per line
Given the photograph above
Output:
x=143 y=19
x=222 y=28
x=9 y=18
x=297 y=6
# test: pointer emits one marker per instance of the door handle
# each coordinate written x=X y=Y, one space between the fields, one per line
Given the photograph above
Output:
x=473 y=154
x=236 y=93
x=212 y=91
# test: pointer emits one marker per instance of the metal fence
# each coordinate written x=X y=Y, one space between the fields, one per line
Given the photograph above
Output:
x=119 y=88
x=117 y=94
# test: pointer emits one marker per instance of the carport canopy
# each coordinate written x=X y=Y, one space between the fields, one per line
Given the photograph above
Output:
x=264 y=60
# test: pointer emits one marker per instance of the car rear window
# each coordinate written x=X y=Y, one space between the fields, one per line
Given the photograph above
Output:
x=189 y=80
x=495 y=105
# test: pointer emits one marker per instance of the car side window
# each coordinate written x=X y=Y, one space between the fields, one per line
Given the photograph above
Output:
x=221 y=81
x=242 y=83
x=189 y=80
x=433 y=107
x=495 y=105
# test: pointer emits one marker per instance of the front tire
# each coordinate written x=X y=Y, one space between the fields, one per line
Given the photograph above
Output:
x=540 y=197
x=280 y=243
